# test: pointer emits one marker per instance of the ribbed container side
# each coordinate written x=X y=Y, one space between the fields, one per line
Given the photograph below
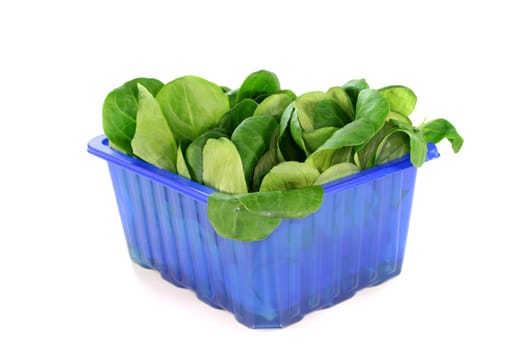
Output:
x=355 y=240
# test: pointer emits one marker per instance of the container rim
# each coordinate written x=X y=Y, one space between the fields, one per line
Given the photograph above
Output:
x=99 y=146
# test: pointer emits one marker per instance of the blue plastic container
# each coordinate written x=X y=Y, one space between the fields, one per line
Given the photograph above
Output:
x=355 y=240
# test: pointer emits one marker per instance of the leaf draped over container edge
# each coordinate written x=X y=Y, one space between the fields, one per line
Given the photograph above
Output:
x=192 y=105
x=153 y=140
x=254 y=216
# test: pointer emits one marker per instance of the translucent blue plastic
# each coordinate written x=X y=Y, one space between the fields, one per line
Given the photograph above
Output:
x=355 y=240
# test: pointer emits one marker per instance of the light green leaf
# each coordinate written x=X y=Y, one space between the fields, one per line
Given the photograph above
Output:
x=289 y=175
x=222 y=166
x=192 y=105
x=153 y=140
x=314 y=139
x=194 y=152
x=273 y=105
x=336 y=171
x=182 y=167
x=340 y=96
x=400 y=98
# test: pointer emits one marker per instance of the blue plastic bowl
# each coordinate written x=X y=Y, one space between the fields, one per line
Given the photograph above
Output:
x=355 y=240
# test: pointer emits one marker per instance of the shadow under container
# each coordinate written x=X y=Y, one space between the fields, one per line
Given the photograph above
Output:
x=355 y=240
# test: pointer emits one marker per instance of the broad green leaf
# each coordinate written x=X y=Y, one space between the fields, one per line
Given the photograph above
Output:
x=354 y=133
x=273 y=105
x=336 y=171
x=418 y=145
x=393 y=146
x=232 y=220
x=268 y=160
x=290 y=94
x=254 y=216
x=329 y=113
x=289 y=175
x=237 y=114
x=400 y=98
x=222 y=166
x=314 y=139
x=354 y=87
x=436 y=130
x=371 y=105
x=194 y=152
x=252 y=138
x=119 y=112
x=153 y=140
x=306 y=105
x=260 y=83
x=340 y=96
x=192 y=105
x=365 y=156
x=182 y=167
x=296 y=203
x=400 y=118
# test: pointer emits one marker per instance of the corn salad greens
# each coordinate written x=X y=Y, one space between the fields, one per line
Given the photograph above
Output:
x=265 y=150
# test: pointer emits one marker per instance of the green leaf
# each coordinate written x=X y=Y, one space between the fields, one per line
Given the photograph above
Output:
x=314 y=139
x=297 y=131
x=354 y=87
x=371 y=105
x=237 y=114
x=418 y=145
x=266 y=162
x=260 y=83
x=194 y=152
x=436 y=130
x=119 y=112
x=289 y=175
x=232 y=220
x=287 y=149
x=399 y=118
x=296 y=203
x=365 y=156
x=340 y=96
x=273 y=105
x=153 y=140
x=329 y=113
x=400 y=98
x=192 y=105
x=306 y=105
x=222 y=166
x=393 y=146
x=336 y=171
x=254 y=216
x=252 y=138
x=182 y=167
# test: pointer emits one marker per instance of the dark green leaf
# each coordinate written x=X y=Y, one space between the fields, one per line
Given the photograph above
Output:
x=237 y=114
x=260 y=83
x=287 y=149
x=354 y=87
x=314 y=139
x=267 y=162
x=329 y=113
x=436 y=130
x=252 y=138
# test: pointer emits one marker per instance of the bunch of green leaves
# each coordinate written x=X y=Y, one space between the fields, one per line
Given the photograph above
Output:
x=266 y=151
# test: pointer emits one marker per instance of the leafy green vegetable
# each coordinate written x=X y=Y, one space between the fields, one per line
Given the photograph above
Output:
x=266 y=151
x=153 y=140
x=192 y=105
x=119 y=112
x=222 y=166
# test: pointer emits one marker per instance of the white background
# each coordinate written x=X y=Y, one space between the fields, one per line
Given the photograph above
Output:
x=66 y=281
